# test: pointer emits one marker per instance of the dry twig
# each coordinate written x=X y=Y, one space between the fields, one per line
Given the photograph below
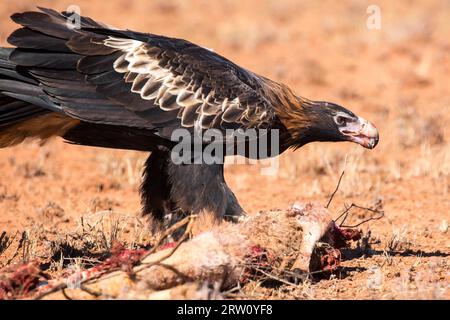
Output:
x=338 y=184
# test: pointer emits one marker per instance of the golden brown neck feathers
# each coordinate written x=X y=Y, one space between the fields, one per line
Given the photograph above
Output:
x=291 y=110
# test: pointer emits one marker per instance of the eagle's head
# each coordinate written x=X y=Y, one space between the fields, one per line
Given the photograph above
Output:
x=335 y=123
x=311 y=121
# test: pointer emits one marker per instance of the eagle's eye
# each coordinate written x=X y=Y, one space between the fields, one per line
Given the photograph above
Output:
x=342 y=121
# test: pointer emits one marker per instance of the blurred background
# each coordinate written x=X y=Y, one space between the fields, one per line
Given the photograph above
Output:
x=395 y=73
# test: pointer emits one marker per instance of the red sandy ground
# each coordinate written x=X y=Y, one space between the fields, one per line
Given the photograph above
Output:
x=398 y=77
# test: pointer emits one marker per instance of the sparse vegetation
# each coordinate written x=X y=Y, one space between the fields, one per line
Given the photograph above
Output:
x=66 y=206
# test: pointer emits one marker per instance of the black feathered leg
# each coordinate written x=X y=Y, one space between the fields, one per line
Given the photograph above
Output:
x=168 y=188
x=155 y=188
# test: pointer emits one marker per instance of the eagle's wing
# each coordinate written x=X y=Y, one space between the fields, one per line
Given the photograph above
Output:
x=102 y=75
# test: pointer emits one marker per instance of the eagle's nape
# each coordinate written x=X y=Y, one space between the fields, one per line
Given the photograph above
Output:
x=112 y=88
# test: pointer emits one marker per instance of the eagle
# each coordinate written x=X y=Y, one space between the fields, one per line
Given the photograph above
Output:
x=95 y=85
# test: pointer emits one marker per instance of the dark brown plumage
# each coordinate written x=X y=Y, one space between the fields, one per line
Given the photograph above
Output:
x=111 y=88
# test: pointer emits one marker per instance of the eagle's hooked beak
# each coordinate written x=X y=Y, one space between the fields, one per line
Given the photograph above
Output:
x=362 y=132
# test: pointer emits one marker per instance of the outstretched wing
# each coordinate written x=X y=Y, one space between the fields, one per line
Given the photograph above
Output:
x=102 y=75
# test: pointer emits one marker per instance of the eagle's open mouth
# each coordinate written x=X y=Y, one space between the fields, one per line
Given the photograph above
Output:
x=362 y=132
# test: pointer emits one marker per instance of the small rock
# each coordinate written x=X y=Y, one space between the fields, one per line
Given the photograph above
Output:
x=443 y=227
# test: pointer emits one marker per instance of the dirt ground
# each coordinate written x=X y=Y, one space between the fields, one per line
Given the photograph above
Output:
x=397 y=77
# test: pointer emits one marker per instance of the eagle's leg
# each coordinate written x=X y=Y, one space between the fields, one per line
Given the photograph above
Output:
x=155 y=188
x=169 y=189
